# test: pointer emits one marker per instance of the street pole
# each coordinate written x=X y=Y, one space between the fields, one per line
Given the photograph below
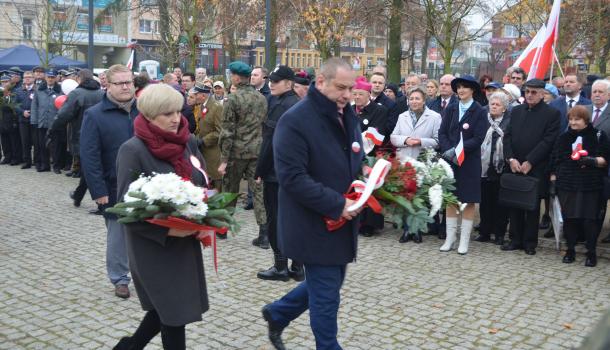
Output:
x=90 y=44
x=267 y=33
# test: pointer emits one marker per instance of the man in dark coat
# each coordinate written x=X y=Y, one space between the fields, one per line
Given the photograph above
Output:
x=317 y=153
x=528 y=143
x=27 y=132
x=573 y=97
x=378 y=96
x=42 y=115
x=446 y=95
x=281 y=99
x=9 y=123
x=106 y=126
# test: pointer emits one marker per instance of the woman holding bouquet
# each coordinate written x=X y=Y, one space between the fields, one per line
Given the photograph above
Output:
x=416 y=128
x=579 y=181
x=461 y=134
x=166 y=264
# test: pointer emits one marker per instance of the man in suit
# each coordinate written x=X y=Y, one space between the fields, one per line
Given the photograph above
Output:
x=378 y=86
x=600 y=118
x=572 y=87
x=311 y=191
x=528 y=143
x=446 y=95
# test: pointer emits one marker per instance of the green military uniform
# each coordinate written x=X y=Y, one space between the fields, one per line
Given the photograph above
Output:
x=209 y=129
x=240 y=140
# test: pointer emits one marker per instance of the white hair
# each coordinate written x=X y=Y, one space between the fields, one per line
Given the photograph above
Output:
x=603 y=82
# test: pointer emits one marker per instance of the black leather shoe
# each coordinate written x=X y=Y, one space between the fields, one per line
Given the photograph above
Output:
x=545 y=223
x=607 y=239
x=296 y=272
x=591 y=261
x=482 y=238
x=75 y=202
x=96 y=212
x=42 y=170
x=5 y=161
x=405 y=237
x=26 y=166
x=530 y=251
x=476 y=227
x=511 y=246
x=57 y=171
x=367 y=231
x=549 y=234
x=417 y=237
x=261 y=242
x=499 y=240
x=124 y=344
x=249 y=206
x=568 y=258
x=275 y=331
x=273 y=274
x=76 y=174
x=69 y=173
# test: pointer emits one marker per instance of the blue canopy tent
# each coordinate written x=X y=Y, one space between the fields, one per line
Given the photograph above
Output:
x=27 y=58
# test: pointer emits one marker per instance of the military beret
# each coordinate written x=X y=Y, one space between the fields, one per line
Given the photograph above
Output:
x=281 y=73
x=240 y=68
x=535 y=83
x=202 y=89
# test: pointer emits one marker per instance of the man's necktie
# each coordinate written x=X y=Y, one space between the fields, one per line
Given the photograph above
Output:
x=571 y=103
x=597 y=112
x=443 y=104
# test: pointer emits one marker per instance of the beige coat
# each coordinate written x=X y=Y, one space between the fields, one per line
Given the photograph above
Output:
x=426 y=130
x=209 y=132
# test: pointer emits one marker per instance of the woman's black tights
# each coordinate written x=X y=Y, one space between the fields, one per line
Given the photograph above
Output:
x=590 y=228
x=173 y=338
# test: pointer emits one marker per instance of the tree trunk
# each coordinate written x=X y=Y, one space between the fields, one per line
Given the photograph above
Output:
x=394 y=49
x=424 y=52
x=274 y=33
x=166 y=35
x=603 y=58
x=447 y=58
x=412 y=53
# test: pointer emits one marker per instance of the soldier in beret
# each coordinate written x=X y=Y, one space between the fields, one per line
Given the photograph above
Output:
x=240 y=138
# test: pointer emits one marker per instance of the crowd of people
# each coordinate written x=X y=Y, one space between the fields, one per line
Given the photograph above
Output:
x=291 y=135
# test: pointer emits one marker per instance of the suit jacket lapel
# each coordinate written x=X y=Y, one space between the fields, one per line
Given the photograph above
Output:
x=602 y=118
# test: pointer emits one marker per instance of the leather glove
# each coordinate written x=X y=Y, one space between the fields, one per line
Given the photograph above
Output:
x=590 y=162
x=449 y=155
x=553 y=188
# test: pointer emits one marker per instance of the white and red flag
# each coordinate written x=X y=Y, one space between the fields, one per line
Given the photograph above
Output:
x=130 y=61
x=374 y=135
x=527 y=56
x=545 y=52
x=459 y=151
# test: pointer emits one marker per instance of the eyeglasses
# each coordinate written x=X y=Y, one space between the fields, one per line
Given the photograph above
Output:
x=122 y=83
x=531 y=92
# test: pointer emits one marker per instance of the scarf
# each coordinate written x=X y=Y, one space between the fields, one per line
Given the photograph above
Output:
x=196 y=115
x=166 y=145
x=463 y=107
x=486 y=146
x=126 y=106
x=415 y=117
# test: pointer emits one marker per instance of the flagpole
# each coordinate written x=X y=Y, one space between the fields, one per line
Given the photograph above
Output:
x=558 y=64
x=552 y=63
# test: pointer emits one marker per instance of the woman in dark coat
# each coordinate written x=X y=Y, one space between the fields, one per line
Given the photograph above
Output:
x=465 y=120
x=579 y=183
x=371 y=115
x=166 y=264
x=494 y=217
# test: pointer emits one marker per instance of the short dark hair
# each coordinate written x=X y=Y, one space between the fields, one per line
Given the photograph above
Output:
x=141 y=80
x=518 y=70
x=189 y=74
x=85 y=74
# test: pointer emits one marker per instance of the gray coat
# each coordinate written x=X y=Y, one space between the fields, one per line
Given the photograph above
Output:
x=167 y=271
x=603 y=122
x=426 y=129
x=43 y=106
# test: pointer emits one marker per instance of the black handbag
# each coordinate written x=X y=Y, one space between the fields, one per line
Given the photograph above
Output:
x=518 y=191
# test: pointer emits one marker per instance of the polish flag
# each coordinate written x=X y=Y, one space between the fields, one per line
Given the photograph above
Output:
x=459 y=151
x=544 y=55
x=374 y=135
x=130 y=61
x=527 y=56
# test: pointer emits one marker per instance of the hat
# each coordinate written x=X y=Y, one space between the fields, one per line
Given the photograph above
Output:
x=552 y=89
x=301 y=78
x=51 y=73
x=202 y=88
x=362 y=84
x=467 y=80
x=5 y=77
x=393 y=87
x=219 y=83
x=512 y=90
x=16 y=70
x=493 y=85
x=38 y=69
x=240 y=68
x=281 y=73
x=66 y=72
x=535 y=83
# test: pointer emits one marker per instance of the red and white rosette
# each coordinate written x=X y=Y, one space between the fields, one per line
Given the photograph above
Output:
x=362 y=191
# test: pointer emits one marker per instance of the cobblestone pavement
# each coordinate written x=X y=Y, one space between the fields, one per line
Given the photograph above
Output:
x=54 y=293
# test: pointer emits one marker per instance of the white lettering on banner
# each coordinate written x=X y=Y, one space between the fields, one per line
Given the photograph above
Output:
x=82 y=37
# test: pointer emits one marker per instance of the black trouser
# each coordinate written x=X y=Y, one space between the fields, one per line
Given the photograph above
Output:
x=524 y=226
x=270 y=197
x=590 y=228
x=28 y=138
x=60 y=149
x=494 y=217
x=11 y=145
x=173 y=338
x=81 y=189
x=43 y=150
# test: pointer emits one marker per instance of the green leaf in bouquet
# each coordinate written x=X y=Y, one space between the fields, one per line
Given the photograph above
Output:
x=221 y=200
x=141 y=204
x=137 y=194
x=152 y=208
x=127 y=220
x=216 y=213
x=120 y=205
x=145 y=215
x=418 y=221
x=161 y=216
x=118 y=211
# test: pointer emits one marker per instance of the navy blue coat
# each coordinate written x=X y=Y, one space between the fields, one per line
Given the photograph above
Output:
x=560 y=104
x=467 y=176
x=105 y=128
x=24 y=98
x=315 y=164
x=435 y=104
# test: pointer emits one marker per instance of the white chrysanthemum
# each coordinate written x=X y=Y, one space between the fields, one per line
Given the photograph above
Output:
x=435 y=194
x=153 y=191
x=446 y=167
x=137 y=185
x=192 y=211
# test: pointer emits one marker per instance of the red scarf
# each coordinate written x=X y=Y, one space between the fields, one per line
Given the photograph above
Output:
x=166 y=145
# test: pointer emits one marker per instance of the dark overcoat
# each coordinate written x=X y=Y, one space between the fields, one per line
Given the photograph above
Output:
x=167 y=271
x=560 y=104
x=473 y=127
x=530 y=136
x=315 y=163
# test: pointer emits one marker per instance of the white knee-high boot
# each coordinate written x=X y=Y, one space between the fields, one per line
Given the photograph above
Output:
x=451 y=230
x=465 y=230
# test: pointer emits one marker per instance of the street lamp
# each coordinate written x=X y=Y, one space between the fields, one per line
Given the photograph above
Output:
x=287 y=44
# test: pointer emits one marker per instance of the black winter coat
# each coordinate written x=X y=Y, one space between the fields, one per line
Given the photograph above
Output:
x=87 y=94
x=24 y=98
x=9 y=112
x=570 y=175
x=277 y=106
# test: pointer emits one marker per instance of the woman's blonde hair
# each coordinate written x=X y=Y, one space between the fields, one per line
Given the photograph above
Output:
x=158 y=99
